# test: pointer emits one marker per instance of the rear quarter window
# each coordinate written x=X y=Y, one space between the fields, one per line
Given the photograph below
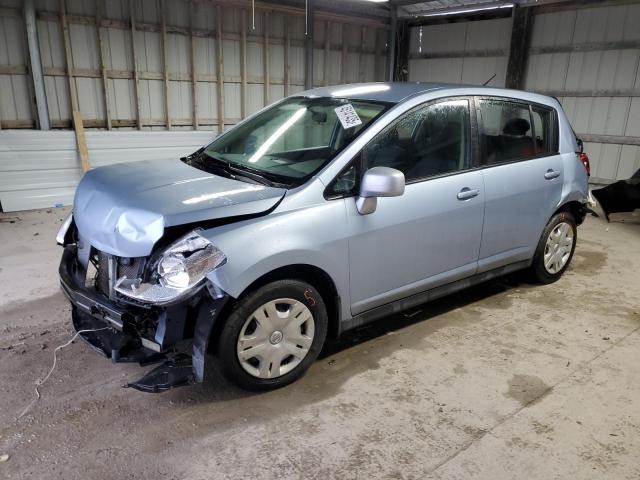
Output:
x=545 y=128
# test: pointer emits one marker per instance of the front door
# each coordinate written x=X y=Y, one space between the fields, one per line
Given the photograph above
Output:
x=430 y=235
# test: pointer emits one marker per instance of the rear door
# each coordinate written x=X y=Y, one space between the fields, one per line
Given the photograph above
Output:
x=523 y=177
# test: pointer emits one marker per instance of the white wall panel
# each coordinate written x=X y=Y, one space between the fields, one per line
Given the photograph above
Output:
x=255 y=60
x=573 y=56
x=232 y=101
x=318 y=66
x=255 y=98
x=42 y=169
x=206 y=98
x=591 y=79
x=15 y=103
x=296 y=65
x=121 y=98
x=469 y=45
x=181 y=106
x=276 y=63
x=629 y=161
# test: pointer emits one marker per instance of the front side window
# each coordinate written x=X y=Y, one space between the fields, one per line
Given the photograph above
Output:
x=292 y=140
x=427 y=141
x=505 y=131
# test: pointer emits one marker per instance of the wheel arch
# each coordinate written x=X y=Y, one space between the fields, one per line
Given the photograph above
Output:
x=311 y=274
x=575 y=208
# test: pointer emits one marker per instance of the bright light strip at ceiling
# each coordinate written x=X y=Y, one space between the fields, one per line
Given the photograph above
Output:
x=277 y=134
x=468 y=10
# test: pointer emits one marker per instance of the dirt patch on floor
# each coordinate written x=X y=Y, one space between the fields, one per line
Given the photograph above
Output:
x=588 y=262
x=527 y=389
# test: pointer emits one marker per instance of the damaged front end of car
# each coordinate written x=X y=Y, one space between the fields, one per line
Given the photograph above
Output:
x=159 y=308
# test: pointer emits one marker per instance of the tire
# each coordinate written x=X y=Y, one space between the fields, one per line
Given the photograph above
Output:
x=545 y=268
x=261 y=346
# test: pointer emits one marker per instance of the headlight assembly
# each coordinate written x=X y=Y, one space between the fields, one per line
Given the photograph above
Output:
x=180 y=268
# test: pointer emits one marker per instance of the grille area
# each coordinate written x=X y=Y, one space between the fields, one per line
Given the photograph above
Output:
x=102 y=275
x=130 y=267
x=125 y=267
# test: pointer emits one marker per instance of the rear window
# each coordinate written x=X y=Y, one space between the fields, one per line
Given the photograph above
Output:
x=512 y=131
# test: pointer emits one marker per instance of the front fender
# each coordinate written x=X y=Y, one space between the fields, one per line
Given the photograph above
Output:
x=314 y=235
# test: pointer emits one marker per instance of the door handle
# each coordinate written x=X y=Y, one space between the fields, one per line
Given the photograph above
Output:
x=466 y=193
x=551 y=174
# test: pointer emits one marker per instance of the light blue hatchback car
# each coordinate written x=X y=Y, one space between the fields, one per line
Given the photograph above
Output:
x=320 y=213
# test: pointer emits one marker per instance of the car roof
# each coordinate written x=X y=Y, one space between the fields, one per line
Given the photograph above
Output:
x=393 y=92
x=397 y=92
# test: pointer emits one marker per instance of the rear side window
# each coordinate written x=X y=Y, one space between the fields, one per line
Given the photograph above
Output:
x=506 y=133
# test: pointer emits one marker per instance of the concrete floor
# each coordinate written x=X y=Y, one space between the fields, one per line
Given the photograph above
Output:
x=507 y=380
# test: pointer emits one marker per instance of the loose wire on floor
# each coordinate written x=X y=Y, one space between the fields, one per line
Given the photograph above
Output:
x=55 y=361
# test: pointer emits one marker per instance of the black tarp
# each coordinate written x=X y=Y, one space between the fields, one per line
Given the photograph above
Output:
x=621 y=196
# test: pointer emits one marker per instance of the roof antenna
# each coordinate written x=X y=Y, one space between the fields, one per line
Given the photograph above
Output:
x=492 y=77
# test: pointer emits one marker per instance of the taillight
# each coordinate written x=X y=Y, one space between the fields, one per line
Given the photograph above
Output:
x=585 y=161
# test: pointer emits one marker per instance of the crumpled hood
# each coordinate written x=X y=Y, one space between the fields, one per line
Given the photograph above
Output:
x=123 y=209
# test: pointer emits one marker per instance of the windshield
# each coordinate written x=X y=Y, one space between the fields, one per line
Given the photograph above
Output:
x=292 y=140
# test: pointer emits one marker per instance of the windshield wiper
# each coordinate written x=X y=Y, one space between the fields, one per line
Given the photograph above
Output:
x=196 y=160
x=194 y=155
x=246 y=172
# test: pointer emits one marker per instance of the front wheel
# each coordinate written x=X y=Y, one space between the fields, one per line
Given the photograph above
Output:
x=555 y=248
x=273 y=335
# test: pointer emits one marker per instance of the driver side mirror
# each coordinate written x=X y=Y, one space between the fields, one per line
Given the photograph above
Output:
x=378 y=182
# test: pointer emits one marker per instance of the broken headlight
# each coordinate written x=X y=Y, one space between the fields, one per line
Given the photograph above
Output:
x=180 y=268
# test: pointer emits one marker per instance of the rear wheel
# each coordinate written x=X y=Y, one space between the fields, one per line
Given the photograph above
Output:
x=273 y=335
x=555 y=248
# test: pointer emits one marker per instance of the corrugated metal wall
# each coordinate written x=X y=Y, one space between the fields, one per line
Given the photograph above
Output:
x=464 y=52
x=175 y=67
x=587 y=57
x=149 y=70
x=42 y=169
x=15 y=94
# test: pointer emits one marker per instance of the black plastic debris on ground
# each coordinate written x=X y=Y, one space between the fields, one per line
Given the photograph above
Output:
x=621 y=196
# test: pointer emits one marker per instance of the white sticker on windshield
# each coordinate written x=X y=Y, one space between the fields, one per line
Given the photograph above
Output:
x=348 y=116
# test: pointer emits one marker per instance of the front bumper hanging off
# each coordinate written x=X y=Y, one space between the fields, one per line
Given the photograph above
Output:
x=119 y=328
